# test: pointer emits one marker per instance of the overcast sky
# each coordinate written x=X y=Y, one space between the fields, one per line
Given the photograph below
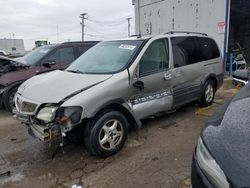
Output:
x=58 y=20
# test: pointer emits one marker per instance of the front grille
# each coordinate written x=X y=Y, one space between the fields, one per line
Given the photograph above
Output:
x=25 y=106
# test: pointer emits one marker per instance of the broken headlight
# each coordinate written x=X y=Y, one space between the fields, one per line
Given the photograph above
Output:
x=47 y=114
x=69 y=116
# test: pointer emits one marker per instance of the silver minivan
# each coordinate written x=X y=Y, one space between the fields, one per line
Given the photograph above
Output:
x=116 y=84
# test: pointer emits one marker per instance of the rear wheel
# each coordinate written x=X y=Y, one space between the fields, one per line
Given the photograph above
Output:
x=106 y=134
x=208 y=94
x=8 y=99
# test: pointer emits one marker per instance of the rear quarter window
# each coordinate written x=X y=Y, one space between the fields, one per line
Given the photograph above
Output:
x=208 y=49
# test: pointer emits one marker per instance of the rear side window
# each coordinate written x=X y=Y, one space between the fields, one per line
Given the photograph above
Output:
x=185 y=51
x=208 y=49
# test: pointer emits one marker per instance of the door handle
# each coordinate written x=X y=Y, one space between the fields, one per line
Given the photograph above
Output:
x=167 y=76
x=177 y=73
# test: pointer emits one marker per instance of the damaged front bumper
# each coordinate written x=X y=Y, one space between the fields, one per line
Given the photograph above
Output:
x=45 y=133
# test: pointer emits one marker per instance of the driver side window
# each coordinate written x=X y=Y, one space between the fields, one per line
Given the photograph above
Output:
x=54 y=56
x=155 y=59
x=62 y=55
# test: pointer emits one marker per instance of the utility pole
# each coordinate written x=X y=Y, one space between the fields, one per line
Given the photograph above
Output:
x=128 y=19
x=57 y=34
x=82 y=16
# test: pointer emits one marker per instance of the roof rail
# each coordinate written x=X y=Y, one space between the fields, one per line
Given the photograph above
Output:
x=81 y=42
x=187 y=32
x=138 y=36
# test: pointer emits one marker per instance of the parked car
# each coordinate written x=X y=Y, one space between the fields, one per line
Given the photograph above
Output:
x=222 y=155
x=239 y=57
x=43 y=59
x=116 y=84
x=241 y=77
x=8 y=65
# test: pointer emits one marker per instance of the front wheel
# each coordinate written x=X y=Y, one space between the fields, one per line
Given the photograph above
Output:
x=106 y=134
x=8 y=99
x=208 y=94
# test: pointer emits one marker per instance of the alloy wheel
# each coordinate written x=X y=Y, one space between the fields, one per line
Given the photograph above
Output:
x=209 y=93
x=111 y=135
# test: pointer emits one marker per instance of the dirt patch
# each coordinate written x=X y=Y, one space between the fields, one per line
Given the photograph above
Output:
x=158 y=155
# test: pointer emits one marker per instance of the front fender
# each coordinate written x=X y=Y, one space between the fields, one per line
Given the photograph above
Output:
x=123 y=107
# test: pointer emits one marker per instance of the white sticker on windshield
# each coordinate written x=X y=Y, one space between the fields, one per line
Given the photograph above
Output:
x=44 y=51
x=127 y=47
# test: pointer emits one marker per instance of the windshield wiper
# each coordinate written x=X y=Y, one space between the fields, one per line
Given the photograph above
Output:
x=76 y=71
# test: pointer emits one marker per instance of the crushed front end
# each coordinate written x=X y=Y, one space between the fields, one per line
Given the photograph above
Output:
x=47 y=122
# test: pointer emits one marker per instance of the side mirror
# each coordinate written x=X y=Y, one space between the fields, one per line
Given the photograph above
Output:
x=139 y=84
x=49 y=63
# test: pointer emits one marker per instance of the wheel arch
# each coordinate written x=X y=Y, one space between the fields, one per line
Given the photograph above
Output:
x=212 y=77
x=7 y=89
x=121 y=106
x=15 y=84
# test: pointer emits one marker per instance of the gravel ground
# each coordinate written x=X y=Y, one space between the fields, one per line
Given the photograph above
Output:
x=158 y=155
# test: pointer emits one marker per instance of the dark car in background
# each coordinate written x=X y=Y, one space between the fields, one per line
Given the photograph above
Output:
x=43 y=59
x=222 y=155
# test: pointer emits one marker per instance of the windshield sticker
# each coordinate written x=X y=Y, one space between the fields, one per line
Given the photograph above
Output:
x=127 y=47
x=44 y=51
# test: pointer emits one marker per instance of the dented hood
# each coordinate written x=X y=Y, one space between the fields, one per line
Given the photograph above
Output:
x=8 y=65
x=55 y=86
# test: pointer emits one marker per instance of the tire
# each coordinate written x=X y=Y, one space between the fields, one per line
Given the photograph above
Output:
x=109 y=126
x=75 y=135
x=8 y=99
x=208 y=94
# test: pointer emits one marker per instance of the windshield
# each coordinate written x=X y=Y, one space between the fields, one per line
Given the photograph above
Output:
x=36 y=55
x=106 y=57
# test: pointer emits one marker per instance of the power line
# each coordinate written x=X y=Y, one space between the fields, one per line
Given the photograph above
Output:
x=95 y=26
x=54 y=34
x=106 y=21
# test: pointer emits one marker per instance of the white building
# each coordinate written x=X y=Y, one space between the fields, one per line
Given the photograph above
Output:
x=12 y=46
x=225 y=20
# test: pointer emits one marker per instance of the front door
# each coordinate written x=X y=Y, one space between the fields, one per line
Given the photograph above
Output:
x=154 y=93
x=51 y=62
x=67 y=56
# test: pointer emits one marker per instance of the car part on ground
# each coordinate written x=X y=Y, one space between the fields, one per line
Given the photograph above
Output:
x=222 y=155
x=117 y=84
